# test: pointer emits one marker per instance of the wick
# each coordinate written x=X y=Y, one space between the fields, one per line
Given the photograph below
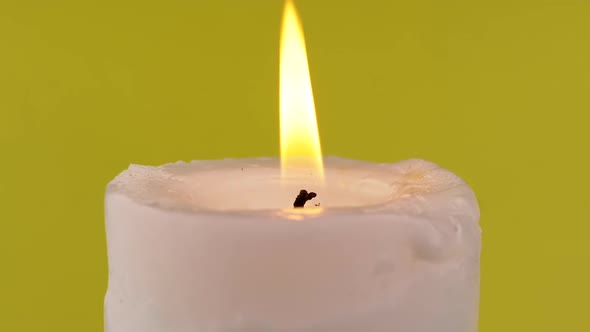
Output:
x=302 y=198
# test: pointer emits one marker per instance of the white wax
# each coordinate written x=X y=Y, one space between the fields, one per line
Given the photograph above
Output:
x=215 y=246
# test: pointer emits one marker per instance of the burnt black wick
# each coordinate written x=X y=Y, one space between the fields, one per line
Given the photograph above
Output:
x=302 y=198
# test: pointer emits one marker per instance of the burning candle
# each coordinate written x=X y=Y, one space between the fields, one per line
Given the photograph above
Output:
x=300 y=244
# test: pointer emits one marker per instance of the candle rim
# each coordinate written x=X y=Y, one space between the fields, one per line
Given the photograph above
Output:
x=451 y=185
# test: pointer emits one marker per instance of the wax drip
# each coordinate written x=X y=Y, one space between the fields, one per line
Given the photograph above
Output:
x=302 y=198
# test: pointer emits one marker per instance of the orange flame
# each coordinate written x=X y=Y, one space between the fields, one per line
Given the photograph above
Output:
x=300 y=140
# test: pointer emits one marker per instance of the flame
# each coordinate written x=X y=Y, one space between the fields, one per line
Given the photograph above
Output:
x=300 y=141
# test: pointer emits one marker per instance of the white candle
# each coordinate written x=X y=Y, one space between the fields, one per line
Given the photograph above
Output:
x=215 y=246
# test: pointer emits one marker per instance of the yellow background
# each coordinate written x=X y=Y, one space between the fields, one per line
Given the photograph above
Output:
x=494 y=90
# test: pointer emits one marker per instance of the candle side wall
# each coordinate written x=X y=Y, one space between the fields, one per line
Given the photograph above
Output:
x=180 y=272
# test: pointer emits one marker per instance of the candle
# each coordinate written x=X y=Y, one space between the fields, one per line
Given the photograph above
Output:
x=237 y=245
x=214 y=246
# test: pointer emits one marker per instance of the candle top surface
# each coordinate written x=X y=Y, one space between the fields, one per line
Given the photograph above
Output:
x=254 y=186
